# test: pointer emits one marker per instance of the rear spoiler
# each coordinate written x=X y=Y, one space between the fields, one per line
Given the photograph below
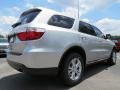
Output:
x=16 y=24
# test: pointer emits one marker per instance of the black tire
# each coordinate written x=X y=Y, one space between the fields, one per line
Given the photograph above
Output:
x=118 y=50
x=112 y=60
x=64 y=69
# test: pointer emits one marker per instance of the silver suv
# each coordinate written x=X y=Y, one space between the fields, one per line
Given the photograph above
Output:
x=44 y=40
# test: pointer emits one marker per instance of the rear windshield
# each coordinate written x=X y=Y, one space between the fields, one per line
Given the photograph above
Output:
x=27 y=17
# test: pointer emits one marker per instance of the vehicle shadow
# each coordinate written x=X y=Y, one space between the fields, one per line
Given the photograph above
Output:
x=3 y=56
x=95 y=69
x=23 y=82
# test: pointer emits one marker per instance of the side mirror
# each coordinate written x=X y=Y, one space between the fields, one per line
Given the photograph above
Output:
x=104 y=36
x=108 y=36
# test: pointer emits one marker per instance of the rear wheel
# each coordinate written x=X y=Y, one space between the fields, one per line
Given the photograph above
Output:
x=113 y=58
x=72 y=69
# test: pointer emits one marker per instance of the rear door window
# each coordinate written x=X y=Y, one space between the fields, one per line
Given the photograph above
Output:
x=27 y=17
x=61 y=21
x=86 y=28
x=98 y=32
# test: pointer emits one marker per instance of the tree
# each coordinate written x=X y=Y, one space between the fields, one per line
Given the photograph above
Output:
x=115 y=38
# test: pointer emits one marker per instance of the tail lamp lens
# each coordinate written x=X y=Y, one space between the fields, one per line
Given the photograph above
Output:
x=30 y=34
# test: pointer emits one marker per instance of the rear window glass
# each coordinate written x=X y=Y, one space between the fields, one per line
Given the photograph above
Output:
x=61 y=21
x=27 y=17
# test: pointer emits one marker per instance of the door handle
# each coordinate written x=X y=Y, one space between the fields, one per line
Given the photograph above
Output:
x=83 y=38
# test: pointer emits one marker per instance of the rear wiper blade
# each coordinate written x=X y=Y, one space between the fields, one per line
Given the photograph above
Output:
x=16 y=24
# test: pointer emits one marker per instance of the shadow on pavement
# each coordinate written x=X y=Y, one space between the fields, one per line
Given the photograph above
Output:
x=3 y=56
x=22 y=82
x=95 y=69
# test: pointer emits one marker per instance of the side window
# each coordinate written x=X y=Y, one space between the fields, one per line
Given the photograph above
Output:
x=98 y=32
x=86 y=28
x=61 y=21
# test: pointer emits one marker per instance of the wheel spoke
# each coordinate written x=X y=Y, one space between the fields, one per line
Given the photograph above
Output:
x=78 y=72
x=73 y=75
x=74 y=69
x=70 y=70
x=73 y=63
x=78 y=64
x=114 y=57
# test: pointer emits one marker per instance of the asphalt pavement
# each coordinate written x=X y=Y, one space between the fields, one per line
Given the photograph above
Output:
x=97 y=77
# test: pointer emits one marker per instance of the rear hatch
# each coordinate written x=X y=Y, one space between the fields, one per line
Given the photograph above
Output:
x=21 y=32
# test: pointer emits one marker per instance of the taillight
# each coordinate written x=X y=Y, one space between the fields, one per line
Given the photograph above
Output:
x=30 y=34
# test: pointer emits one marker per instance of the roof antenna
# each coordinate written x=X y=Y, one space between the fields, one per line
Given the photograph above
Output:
x=78 y=9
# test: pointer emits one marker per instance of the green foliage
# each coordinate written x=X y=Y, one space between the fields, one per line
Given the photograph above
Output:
x=115 y=38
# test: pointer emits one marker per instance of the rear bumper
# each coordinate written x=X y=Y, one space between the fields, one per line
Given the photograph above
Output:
x=36 y=59
x=32 y=71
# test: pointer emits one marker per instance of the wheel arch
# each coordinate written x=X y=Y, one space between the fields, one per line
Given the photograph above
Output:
x=77 y=49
